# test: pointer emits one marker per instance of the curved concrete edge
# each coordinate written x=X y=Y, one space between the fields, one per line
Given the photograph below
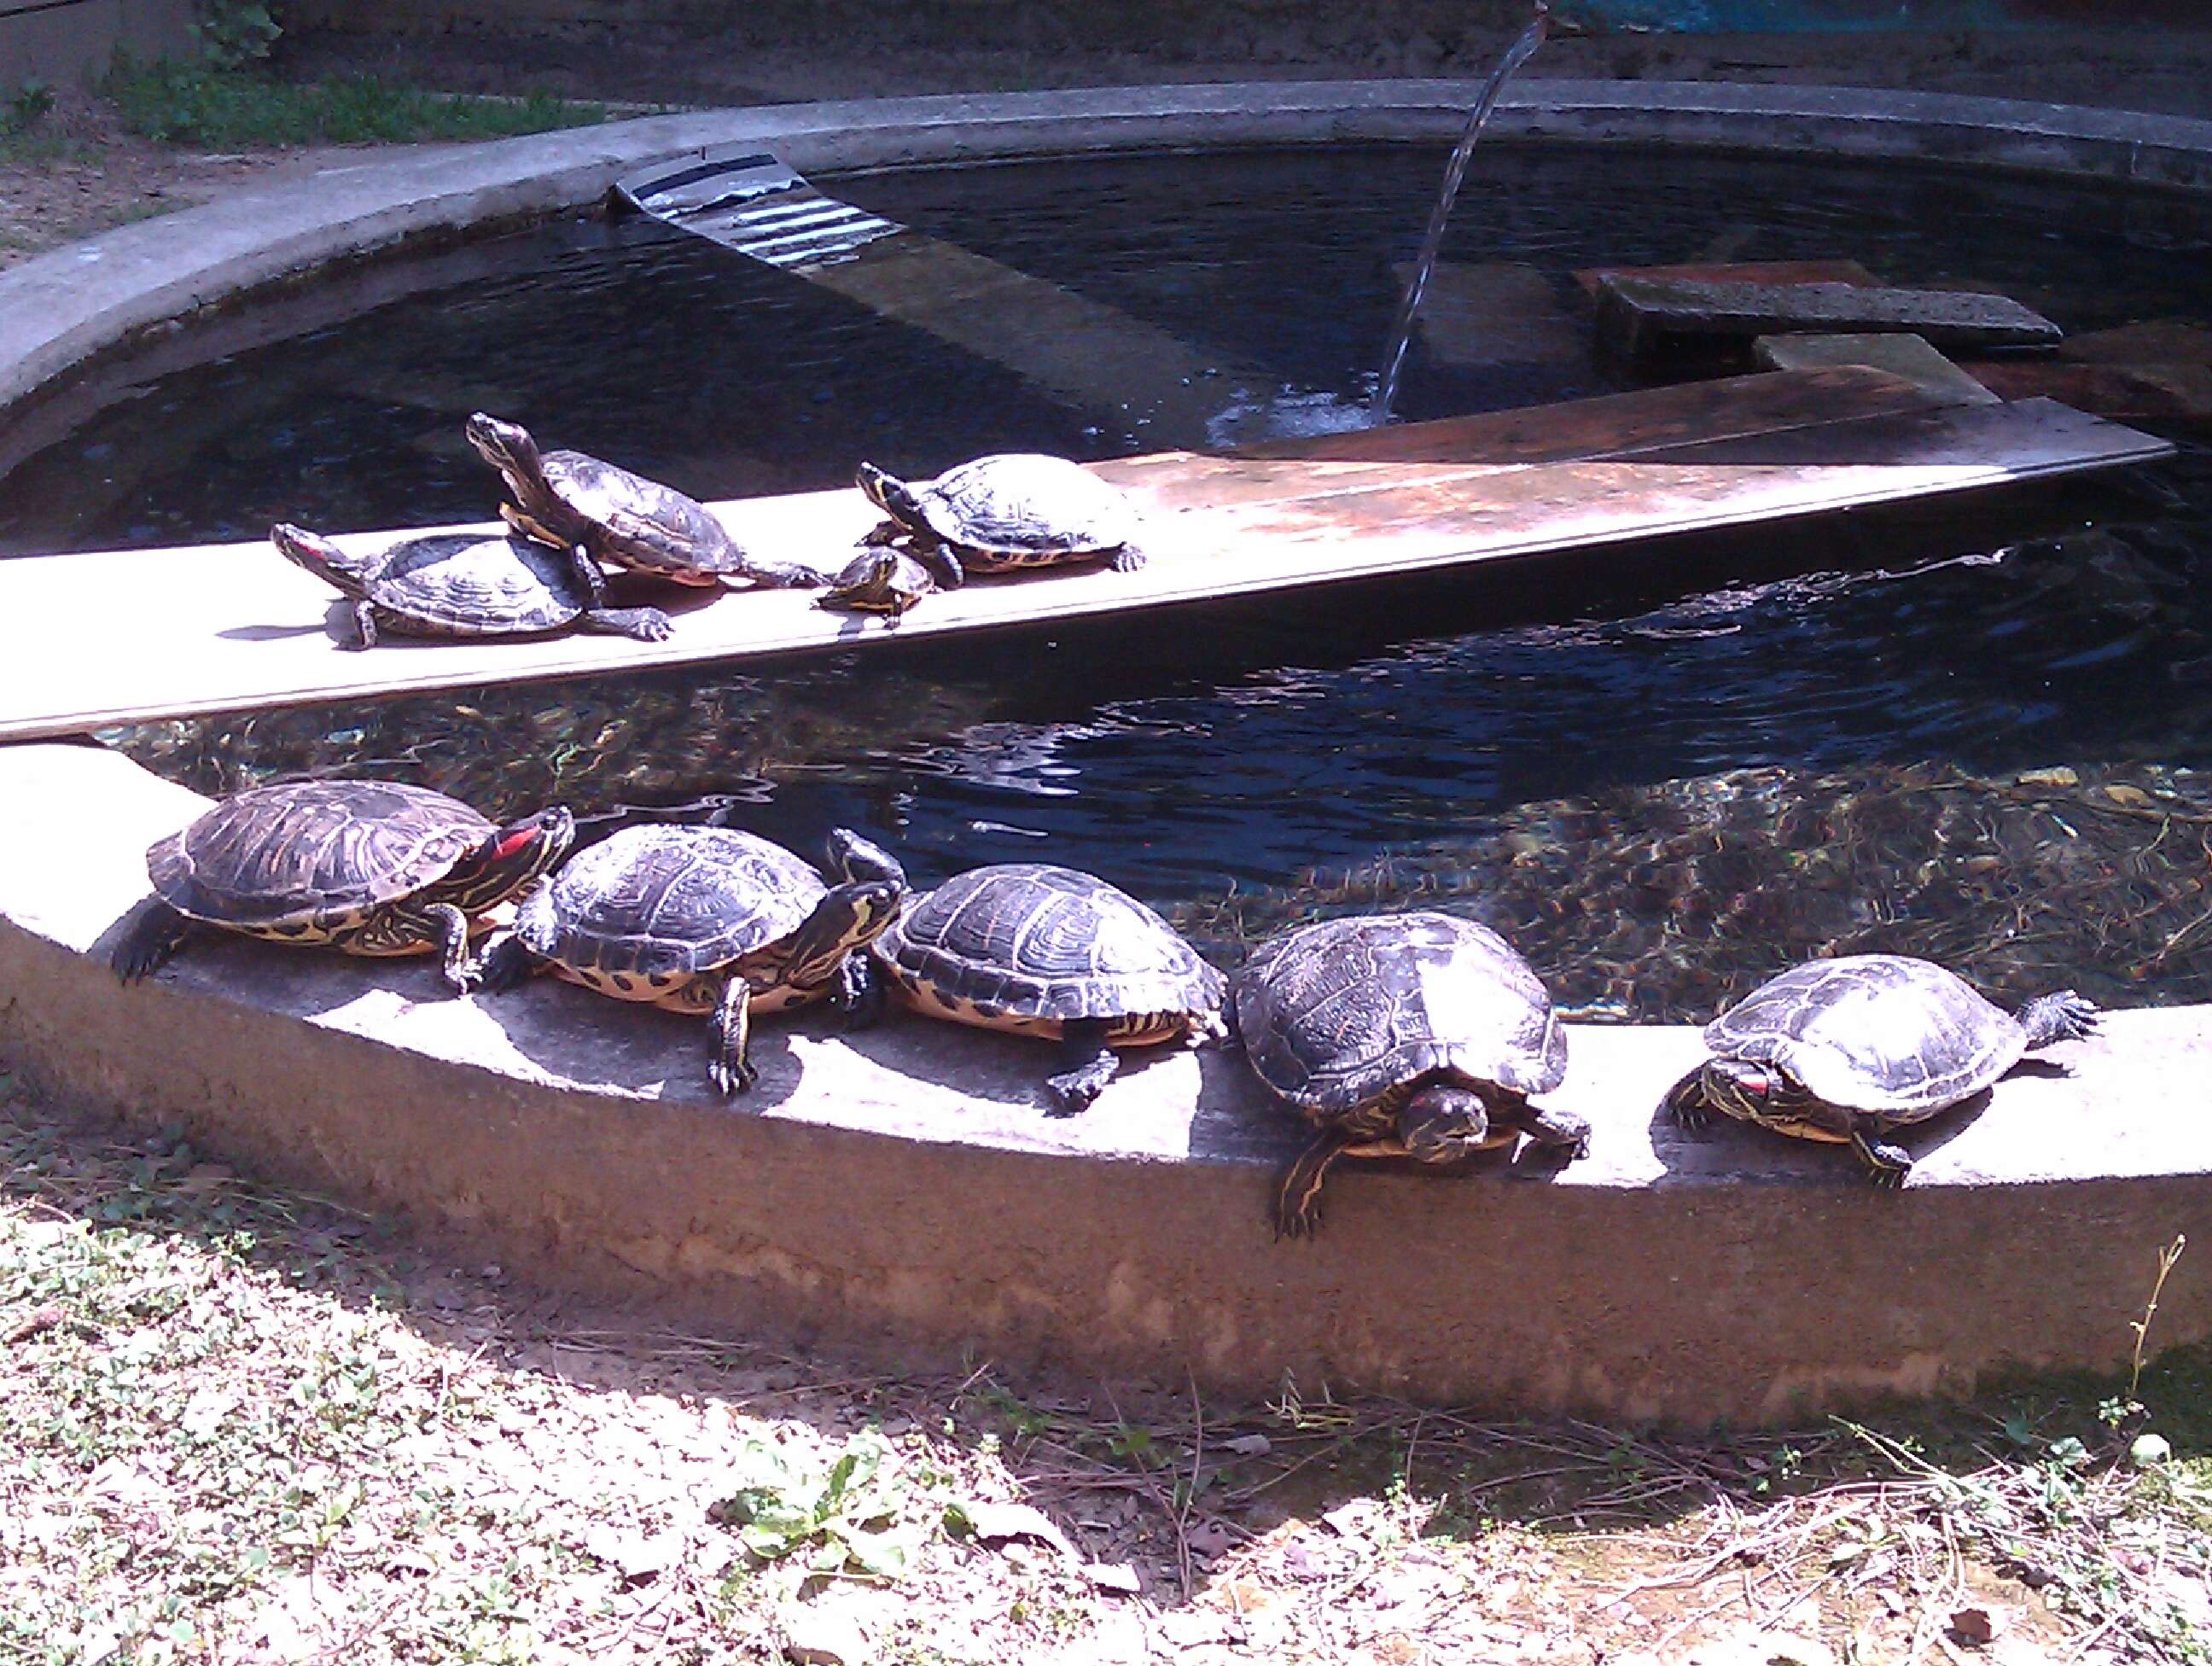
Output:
x=903 y=1188
x=64 y=307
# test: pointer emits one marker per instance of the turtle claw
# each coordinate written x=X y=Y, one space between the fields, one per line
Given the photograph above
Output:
x=1687 y=1104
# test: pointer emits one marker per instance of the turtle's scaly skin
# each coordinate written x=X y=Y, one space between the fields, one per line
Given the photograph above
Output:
x=366 y=866
x=568 y=497
x=1048 y=952
x=703 y=920
x=1008 y=510
x=466 y=585
x=1844 y=1050
x=1400 y=1035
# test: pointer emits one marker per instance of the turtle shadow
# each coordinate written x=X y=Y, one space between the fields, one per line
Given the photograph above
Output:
x=590 y=1042
x=1728 y=1149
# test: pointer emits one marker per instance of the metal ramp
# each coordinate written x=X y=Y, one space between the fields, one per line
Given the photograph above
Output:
x=1123 y=372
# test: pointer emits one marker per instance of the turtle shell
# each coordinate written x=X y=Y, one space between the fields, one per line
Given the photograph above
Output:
x=469 y=585
x=1022 y=503
x=1025 y=941
x=663 y=901
x=1336 y=1015
x=312 y=853
x=1888 y=1034
x=907 y=582
x=636 y=522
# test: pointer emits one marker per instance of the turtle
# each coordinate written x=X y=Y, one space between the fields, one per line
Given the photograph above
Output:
x=567 y=497
x=880 y=579
x=707 y=919
x=1845 y=1050
x=1415 y=1035
x=998 y=513
x=466 y=584
x=370 y=867
x=1044 y=950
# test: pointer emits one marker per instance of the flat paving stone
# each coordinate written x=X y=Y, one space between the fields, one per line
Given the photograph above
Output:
x=1640 y=316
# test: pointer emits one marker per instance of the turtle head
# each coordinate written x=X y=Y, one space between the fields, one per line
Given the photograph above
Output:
x=511 y=858
x=851 y=857
x=333 y=566
x=1741 y=1088
x=1444 y=1122
x=852 y=916
x=506 y=446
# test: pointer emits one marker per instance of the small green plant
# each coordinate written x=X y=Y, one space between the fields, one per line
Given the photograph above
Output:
x=231 y=33
x=31 y=103
x=831 y=1513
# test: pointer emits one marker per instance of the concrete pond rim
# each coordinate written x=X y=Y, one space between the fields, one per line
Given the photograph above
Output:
x=906 y=1186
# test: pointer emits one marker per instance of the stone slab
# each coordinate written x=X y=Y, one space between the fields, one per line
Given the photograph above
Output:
x=1737 y=271
x=1638 y=317
x=904 y=1189
x=1901 y=354
x=1501 y=313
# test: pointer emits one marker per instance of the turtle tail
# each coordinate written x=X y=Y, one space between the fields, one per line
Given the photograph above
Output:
x=2064 y=1016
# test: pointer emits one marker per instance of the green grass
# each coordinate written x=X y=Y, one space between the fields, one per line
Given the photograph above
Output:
x=193 y=104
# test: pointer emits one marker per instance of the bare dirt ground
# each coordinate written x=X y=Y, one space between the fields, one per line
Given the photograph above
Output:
x=80 y=172
x=245 y=1424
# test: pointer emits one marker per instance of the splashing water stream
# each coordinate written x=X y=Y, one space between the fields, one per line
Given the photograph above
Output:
x=1402 y=329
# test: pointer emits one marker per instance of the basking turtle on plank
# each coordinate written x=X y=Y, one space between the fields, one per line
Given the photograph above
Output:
x=708 y=921
x=1412 y=1035
x=881 y=579
x=567 y=497
x=1009 y=510
x=1845 y=1050
x=1047 y=951
x=370 y=867
x=467 y=584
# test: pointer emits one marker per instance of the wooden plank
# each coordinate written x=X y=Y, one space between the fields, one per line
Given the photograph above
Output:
x=233 y=627
x=1900 y=353
x=1638 y=315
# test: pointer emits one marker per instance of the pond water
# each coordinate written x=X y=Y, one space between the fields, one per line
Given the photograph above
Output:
x=1666 y=774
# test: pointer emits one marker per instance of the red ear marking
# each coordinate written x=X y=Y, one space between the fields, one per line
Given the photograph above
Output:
x=514 y=843
x=1758 y=1086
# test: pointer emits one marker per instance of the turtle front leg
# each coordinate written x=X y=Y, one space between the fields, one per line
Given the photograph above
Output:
x=506 y=964
x=364 y=626
x=1298 y=1197
x=944 y=566
x=858 y=992
x=1087 y=1064
x=730 y=1068
x=1127 y=559
x=1687 y=1104
x=645 y=624
x=459 y=968
x=1886 y=1163
x=151 y=934
x=1556 y=1130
